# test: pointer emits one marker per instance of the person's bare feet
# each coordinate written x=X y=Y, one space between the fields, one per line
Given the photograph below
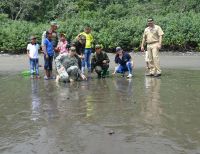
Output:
x=38 y=77
x=57 y=78
x=71 y=80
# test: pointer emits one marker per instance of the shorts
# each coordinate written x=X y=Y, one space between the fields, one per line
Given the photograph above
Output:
x=48 y=62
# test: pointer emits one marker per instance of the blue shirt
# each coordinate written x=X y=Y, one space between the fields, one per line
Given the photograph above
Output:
x=49 y=47
x=125 y=58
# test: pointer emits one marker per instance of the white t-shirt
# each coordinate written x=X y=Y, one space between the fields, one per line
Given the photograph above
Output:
x=33 y=50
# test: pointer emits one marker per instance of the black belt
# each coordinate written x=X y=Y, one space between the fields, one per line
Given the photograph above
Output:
x=152 y=42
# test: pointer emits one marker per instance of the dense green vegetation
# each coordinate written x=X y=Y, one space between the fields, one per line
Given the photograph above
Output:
x=114 y=22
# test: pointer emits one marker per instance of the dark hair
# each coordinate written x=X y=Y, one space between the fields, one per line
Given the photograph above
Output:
x=82 y=37
x=87 y=27
x=48 y=32
x=73 y=44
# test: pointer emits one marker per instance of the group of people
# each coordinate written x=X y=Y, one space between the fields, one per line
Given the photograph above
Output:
x=71 y=60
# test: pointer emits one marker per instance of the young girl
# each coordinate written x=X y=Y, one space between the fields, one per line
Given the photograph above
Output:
x=62 y=44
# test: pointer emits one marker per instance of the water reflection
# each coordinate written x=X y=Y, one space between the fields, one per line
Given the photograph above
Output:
x=97 y=96
x=35 y=100
x=162 y=114
x=124 y=89
x=50 y=100
x=151 y=107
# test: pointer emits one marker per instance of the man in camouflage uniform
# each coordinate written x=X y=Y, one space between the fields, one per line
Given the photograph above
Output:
x=153 y=37
x=100 y=62
x=67 y=67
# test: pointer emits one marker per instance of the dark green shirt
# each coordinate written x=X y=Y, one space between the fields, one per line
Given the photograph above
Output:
x=97 y=59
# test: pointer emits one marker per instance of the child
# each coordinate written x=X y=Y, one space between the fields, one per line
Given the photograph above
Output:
x=62 y=44
x=88 y=48
x=48 y=56
x=32 y=52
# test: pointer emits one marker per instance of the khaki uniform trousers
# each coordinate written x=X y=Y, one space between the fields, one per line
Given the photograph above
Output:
x=154 y=60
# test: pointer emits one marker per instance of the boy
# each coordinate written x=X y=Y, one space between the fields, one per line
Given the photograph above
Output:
x=48 y=56
x=32 y=52
x=55 y=37
x=88 y=48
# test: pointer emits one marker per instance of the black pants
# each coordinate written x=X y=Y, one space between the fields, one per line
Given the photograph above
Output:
x=79 y=61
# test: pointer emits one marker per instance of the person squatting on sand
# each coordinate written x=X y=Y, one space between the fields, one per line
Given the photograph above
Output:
x=67 y=67
x=100 y=62
x=123 y=60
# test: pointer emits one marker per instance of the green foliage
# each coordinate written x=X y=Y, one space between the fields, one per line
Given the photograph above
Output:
x=113 y=22
x=15 y=35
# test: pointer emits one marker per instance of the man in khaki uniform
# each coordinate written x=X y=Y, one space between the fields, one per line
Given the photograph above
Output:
x=153 y=37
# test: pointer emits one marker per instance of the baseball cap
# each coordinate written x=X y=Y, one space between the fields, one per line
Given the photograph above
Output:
x=98 y=46
x=73 y=49
x=118 y=49
x=54 y=23
x=32 y=37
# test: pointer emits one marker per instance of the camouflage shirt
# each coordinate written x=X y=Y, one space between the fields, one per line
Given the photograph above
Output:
x=66 y=61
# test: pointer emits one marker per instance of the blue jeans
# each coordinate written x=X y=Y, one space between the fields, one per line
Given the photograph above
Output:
x=86 y=60
x=123 y=68
x=34 y=66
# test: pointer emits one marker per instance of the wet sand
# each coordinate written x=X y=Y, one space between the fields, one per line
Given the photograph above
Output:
x=16 y=63
x=143 y=115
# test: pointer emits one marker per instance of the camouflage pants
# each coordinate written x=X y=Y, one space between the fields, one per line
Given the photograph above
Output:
x=101 y=69
x=72 y=72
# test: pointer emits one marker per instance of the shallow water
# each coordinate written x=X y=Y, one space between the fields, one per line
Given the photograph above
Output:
x=109 y=116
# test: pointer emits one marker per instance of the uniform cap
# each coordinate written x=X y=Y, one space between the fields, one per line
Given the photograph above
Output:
x=98 y=46
x=150 y=19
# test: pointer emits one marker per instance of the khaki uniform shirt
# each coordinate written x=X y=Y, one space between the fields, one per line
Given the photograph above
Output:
x=152 y=35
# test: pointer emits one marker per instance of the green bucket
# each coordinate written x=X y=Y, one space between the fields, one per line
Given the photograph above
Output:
x=27 y=73
x=106 y=73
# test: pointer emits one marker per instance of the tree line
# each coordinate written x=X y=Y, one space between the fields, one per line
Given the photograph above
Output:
x=114 y=22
